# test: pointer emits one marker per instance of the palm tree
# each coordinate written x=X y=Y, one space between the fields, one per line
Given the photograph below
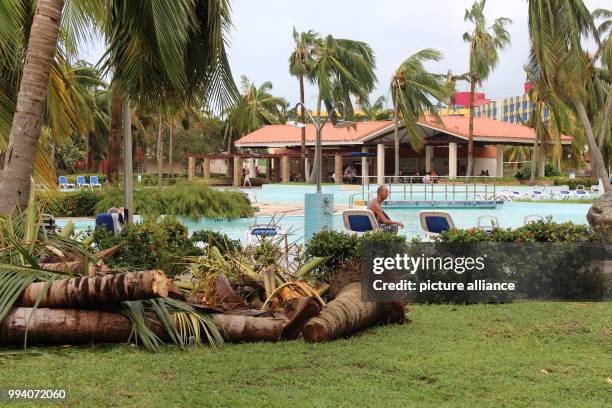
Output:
x=375 y=111
x=300 y=66
x=412 y=88
x=342 y=68
x=450 y=83
x=158 y=50
x=257 y=108
x=485 y=43
x=557 y=28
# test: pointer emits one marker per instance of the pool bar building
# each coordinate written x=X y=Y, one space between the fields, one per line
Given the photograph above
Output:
x=369 y=147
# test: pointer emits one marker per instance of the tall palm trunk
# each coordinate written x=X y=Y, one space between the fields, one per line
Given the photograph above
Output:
x=20 y=153
x=114 y=145
x=470 y=165
x=596 y=158
x=170 y=136
x=534 y=161
x=397 y=141
x=303 y=175
x=160 y=152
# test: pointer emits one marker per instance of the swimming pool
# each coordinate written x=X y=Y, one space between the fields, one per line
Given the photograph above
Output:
x=279 y=193
x=510 y=215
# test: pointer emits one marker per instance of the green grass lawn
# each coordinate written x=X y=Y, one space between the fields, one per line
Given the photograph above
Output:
x=521 y=354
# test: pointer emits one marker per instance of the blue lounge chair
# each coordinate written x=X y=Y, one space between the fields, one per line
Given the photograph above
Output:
x=581 y=192
x=63 y=182
x=81 y=182
x=435 y=222
x=93 y=181
x=359 y=221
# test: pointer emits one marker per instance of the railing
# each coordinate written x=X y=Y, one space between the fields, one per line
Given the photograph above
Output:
x=428 y=188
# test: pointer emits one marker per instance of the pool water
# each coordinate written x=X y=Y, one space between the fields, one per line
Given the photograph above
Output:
x=510 y=215
x=278 y=193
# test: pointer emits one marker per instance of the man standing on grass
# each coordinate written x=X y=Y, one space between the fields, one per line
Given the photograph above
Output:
x=376 y=207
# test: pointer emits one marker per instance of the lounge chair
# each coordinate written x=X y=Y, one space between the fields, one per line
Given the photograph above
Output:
x=359 y=220
x=260 y=232
x=93 y=181
x=487 y=223
x=80 y=181
x=532 y=218
x=538 y=193
x=564 y=193
x=435 y=222
x=63 y=183
x=582 y=193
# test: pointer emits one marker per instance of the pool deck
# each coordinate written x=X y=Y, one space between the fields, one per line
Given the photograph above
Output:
x=288 y=208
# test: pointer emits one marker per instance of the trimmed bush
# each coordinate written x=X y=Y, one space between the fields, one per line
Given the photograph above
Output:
x=80 y=203
x=572 y=183
x=193 y=200
x=524 y=172
x=218 y=239
x=149 y=245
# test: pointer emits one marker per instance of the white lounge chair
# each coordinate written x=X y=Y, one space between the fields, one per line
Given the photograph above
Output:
x=487 y=223
x=564 y=193
x=581 y=192
x=435 y=222
x=538 y=193
x=532 y=218
x=359 y=221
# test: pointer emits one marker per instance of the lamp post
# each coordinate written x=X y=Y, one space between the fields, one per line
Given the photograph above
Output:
x=319 y=130
x=319 y=208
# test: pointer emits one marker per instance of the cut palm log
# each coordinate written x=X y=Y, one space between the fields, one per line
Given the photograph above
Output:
x=236 y=329
x=97 y=291
x=66 y=326
x=299 y=311
x=347 y=314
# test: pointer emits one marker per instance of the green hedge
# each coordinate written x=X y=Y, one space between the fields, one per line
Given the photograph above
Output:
x=572 y=183
x=524 y=172
x=80 y=203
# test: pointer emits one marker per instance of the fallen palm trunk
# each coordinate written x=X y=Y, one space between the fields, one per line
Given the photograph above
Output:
x=299 y=311
x=235 y=328
x=66 y=326
x=347 y=314
x=97 y=291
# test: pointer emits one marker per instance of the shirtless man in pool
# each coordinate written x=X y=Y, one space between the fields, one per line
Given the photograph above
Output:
x=383 y=220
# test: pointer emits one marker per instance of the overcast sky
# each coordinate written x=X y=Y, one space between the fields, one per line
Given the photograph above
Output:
x=261 y=39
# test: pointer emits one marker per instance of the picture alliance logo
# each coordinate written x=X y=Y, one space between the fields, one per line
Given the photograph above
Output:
x=411 y=264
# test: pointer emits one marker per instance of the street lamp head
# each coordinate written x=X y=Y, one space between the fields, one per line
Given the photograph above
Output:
x=345 y=124
x=295 y=124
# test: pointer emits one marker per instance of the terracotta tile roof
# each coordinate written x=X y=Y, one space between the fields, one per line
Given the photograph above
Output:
x=273 y=134
x=484 y=128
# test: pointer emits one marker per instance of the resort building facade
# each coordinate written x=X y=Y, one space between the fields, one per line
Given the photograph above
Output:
x=369 y=147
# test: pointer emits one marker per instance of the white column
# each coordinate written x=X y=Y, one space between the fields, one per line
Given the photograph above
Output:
x=380 y=164
x=307 y=167
x=428 y=158
x=252 y=167
x=500 y=161
x=452 y=160
x=364 y=167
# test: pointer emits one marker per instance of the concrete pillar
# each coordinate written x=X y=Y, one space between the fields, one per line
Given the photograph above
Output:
x=364 y=167
x=252 y=163
x=276 y=167
x=428 y=158
x=380 y=164
x=338 y=168
x=499 y=172
x=191 y=168
x=307 y=168
x=285 y=169
x=237 y=171
x=452 y=160
x=206 y=168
